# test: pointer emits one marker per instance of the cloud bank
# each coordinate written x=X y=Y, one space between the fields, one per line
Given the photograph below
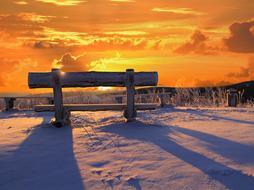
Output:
x=241 y=39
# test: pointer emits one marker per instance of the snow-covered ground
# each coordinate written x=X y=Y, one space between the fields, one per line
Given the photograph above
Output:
x=171 y=148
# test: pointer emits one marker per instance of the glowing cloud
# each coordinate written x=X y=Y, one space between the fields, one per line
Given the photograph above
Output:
x=21 y=2
x=34 y=17
x=122 y=1
x=127 y=33
x=62 y=2
x=185 y=11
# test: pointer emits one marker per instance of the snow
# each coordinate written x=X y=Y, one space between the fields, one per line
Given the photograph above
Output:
x=172 y=148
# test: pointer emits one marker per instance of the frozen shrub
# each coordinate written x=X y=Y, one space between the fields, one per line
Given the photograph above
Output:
x=198 y=97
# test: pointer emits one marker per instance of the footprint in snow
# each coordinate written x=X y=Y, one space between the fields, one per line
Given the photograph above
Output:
x=98 y=172
x=135 y=183
x=99 y=164
x=112 y=181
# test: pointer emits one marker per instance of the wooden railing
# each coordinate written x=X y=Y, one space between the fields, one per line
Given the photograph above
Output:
x=10 y=100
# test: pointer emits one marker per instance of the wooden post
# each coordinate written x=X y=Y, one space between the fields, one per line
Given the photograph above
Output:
x=119 y=99
x=162 y=98
x=51 y=101
x=130 y=112
x=232 y=98
x=58 y=98
x=9 y=103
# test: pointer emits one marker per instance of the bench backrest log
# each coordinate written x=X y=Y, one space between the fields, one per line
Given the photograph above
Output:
x=91 y=79
x=58 y=80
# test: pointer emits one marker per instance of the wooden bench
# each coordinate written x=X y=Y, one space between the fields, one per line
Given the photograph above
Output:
x=58 y=80
x=9 y=100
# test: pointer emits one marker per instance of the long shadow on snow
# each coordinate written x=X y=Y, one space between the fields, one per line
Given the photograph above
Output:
x=204 y=114
x=17 y=114
x=237 y=152
x=44 y=160
x=158 y=135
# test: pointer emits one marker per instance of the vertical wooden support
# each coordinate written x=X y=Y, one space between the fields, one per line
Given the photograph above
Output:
x=162 y=100
x=130 y=112
x=232 y=98
x=51 y=101
x=12 y=100
x=9 y=103
x=119 y=99
x=58 y=98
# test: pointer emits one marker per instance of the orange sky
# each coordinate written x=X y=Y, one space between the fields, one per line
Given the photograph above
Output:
x=190 y=43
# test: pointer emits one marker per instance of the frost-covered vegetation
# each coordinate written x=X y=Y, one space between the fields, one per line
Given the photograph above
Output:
x=194 y=97
x=208 y=97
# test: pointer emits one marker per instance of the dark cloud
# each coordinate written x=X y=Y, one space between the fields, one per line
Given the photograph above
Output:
x=197 y=44
x=91 y=43
x=241 y=39
x=99 y=41
x=43 y=45
x=117 y=43
x=40 y=45
x=245 y=72
x=70 y=63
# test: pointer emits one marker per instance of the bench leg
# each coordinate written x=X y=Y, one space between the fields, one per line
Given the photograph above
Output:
x=130 y=112
x=65 y=121
x=67 y=115
x=58 y=98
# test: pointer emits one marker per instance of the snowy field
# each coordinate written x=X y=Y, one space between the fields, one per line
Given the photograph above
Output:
x=167 y=149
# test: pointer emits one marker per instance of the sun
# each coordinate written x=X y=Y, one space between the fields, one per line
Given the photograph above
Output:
x=104 y=88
